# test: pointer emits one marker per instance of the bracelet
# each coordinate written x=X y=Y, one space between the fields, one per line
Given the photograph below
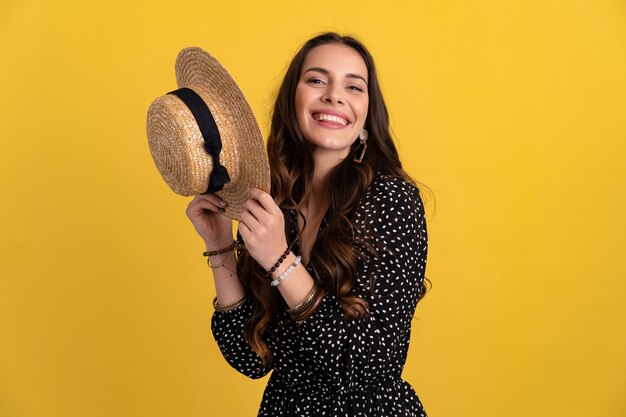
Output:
x=220 y=251
x=208 y=261
x=284 y=274
x=280 y=261
x=304 y=302
x=308 y=309
x=230 y=306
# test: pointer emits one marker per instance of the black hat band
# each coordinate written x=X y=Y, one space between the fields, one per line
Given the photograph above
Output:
x=212 y=139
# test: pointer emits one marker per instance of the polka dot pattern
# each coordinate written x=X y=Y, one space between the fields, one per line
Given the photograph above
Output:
x=329 y=365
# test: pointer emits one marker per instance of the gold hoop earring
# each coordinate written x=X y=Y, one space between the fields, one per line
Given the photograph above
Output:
x=359 y=153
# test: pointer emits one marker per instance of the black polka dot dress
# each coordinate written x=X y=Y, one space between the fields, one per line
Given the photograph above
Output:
x=329 y=365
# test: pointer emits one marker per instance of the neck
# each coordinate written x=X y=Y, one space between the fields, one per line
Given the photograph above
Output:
x=319 y=199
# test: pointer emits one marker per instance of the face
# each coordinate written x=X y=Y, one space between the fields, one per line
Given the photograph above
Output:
x=332 y=99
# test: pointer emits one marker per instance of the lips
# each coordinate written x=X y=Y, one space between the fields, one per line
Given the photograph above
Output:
x=331 y=117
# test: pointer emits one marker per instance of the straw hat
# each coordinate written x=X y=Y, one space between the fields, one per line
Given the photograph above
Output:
x=208 y=104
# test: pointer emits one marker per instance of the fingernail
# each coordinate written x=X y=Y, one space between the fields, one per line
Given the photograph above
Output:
x=223 y=203
x=222 y=209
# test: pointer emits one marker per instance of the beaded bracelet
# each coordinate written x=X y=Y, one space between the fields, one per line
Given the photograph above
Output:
x=230 y=306
x=287 y=272
x=280 y=261
x=220 y=251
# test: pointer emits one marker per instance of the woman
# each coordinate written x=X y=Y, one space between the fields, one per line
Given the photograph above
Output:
x=324 y=290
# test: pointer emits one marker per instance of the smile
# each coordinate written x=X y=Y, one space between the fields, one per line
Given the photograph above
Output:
x=324 y=117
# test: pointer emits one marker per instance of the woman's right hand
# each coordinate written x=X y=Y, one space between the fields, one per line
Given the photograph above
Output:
x=214 y=227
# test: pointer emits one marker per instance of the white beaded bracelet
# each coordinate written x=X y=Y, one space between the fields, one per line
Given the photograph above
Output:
x=284 y=274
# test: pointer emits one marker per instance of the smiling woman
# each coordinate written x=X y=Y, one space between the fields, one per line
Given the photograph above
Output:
x=330 y=265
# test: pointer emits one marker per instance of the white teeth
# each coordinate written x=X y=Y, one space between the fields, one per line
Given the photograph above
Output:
x=330 y=118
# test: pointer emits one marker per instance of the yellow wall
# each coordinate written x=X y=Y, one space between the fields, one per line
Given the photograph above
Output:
x=512 y=112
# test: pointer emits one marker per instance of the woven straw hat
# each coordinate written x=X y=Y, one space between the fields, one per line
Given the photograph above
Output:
x=208 y=105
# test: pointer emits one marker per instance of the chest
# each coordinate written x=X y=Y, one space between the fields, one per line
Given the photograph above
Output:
x=308 y=237
x=308 y=234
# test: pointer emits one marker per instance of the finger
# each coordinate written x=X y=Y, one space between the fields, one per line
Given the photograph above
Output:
x=244 y=231
x=249 y=220
x=202 y=204
x=257 y=210
x=213 y=198
x=265 y=200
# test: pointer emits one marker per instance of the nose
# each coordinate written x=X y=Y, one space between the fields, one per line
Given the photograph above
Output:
x=333 y=95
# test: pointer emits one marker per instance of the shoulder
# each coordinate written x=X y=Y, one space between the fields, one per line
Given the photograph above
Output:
x=390 y=191
x=390 y=186
x=389 y=198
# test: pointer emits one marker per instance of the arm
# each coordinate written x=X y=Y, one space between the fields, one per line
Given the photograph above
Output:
x=205 y=212
x=227 y=328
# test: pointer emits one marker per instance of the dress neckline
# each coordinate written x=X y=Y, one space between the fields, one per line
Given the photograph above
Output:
x=294 y=233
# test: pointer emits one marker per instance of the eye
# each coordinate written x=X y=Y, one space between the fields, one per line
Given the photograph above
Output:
x=315 y=81
x=355 y=88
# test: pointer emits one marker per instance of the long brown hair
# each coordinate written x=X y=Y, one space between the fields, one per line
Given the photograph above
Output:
x=292 y=169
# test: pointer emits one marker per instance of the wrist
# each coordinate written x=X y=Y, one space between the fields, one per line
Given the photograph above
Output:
x=215 y=261
x=281 y=274
x=290 y=259
x=276 y=261
x=218 y=245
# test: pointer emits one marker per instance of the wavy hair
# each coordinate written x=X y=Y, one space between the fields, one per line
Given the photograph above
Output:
x=292 y=167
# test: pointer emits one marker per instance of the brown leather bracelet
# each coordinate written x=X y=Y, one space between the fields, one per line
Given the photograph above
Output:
x=220 y=251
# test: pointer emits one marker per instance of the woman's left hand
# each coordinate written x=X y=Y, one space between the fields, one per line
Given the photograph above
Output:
x=262 y=228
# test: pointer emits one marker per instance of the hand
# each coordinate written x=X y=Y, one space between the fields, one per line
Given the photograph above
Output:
x=262 y=228
x=215 y=228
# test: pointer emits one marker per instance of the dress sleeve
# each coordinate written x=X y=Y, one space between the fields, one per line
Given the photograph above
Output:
x=371 y=348
x=227 y=328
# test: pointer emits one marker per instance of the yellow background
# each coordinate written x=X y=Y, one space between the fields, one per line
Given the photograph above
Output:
x=512 y=112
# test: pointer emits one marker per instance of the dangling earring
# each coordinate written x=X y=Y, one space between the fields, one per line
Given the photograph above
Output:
x=359 y=153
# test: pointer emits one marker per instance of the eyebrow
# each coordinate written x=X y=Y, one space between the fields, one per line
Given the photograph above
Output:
x=326 y=72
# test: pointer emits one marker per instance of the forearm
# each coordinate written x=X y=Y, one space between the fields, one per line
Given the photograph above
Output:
x=227 y=285
x=294 y=288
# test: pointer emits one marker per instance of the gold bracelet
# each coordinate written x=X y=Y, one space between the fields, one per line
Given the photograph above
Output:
x=230 y=306
x=303 y=304
x=309 y=309
x=208 y=262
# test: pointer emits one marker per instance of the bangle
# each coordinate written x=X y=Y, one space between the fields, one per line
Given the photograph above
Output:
x=306 y=300
x=302 y=315
x=208 y=261
x=230 y=306
x=303 y=310
x=280 y=261
x=220 y=251
x=284 y=274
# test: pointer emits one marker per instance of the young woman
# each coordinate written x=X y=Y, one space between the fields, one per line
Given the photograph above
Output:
x=330 y=265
